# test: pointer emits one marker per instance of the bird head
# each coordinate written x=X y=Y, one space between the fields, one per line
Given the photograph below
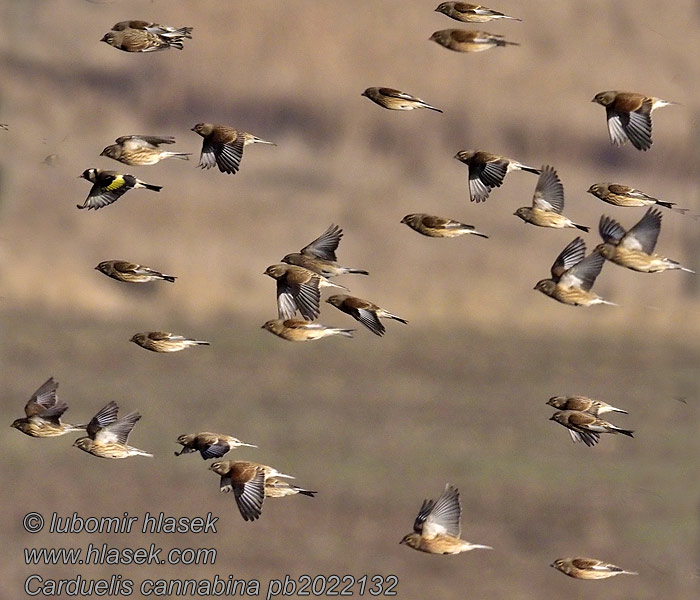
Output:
x=546 y=286
x=605 y=98
x=203 y=129
x=412 y=540
x=607 y=250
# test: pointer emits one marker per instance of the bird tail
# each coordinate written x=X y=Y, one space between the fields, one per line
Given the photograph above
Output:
x=175 y=43
x=153 y=188
x=170 y=278
x=505 y=43
x=306 y=492
x=628 y=572
x=345 y=332
x=525 y=167
x=77 y=427
x=431 y=108
x=257 y=140
x=358 y=271
x=182 y=32
x=582 y=227
x=483 y=235
x=181 y=155
x=480 y=546
x=388 y=315
x=198 y=343
x=141 y=452
x=618 y=410
x=627 y=432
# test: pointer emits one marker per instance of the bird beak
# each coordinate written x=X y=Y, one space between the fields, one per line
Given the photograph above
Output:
x=551 y=419
x=262 y=326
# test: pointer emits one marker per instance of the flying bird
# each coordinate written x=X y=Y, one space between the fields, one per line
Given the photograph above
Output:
x=165 y=31
x=436 y=529
x=129 y=272
x=319 y=256
x=223 y=146
x=471 y=13
x=634 y=249
x=629 y=116
x=162 y=341
x=585 y=427
x=107 y=436
x=278 y=488
x=583 y=404
x=109 y=186
x=623 y=195
x=461 y=40
x=588 y=568
x=363 y=311
x=299 y=330
x=43 y=413
x=573 y=276
x=438 y=227
x=487 y=171
x=209 y=445
x=395 y=99
x=141 y=150
x=140 y=40
x=548 y=204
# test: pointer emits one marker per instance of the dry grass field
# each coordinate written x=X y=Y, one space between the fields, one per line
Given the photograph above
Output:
x=375 y=425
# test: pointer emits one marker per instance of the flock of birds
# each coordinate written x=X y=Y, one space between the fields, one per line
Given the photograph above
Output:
x=301 y=276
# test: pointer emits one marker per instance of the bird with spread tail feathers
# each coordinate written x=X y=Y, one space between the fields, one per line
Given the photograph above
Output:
x=437 y=527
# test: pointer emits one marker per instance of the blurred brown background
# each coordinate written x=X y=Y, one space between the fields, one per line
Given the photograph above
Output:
x=375 y=425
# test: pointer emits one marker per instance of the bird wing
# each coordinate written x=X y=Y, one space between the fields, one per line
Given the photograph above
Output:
x=549 y=193
x=325 y=245
x=215 y=449
x=443 y=516
x=293 y=296
x=250 y=496
x=644 y=234
x=635 y=126
x=44 y=398
x=107 y=190
x=102 y=419
x=118 y=431
x=610 y=230
x=583 y=274
x=568 y=257
x=615 y=128
x=153 y=140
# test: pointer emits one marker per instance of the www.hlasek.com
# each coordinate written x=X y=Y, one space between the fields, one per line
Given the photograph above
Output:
x=117 y=585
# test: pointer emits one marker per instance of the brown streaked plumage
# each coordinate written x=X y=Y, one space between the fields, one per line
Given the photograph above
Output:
x=573 y=276
x=623 y=195
x=319 y=256
x=585 y=427
x=123 y=270
x=107 y=436
x=298 y=289
x=162 y=341
x=461 y=40
x=43 y=413
x=548 y=204
x=629 y=116
x=395 y=99
x=109 y=186
x=208 y=444
x=471 y=13
x=298 y=330
x=583 y=404
x=363 y=311
x=437 y=529
x=634 y=249
x=588 y=568
x=487 y=171
x=141 y=150
x=439 y=227
x=140 y=40
x=223 y=146
x=163 y=30
x=247 y=481
x=278 y=488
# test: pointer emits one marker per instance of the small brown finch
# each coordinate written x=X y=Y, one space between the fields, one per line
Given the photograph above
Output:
x=162 y=341
x=629 y=116
x=163 y=30
x=438 y=227
x=122 y=270
x=363 y=311
x=461 y=40
x=223 y=146
x=585 y=427
x=109 y=186
x=44 y=412
x=583 y=404
x=395 y=99
x=140 y=150
x=247 y=481
x=278 y=488
x=107 y=436
x=209 y=445
x=588 y=568
x=548 y=204
x=623 y=195
x=298 y=330
x=487 y=171
x=573 y=276
x=298 y=289
x=634 y=249
x=319 y=256
x=471 y=13
x=436 y=529
x=140 y=40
